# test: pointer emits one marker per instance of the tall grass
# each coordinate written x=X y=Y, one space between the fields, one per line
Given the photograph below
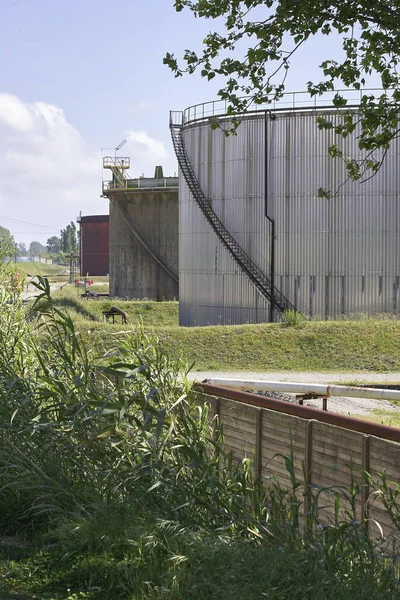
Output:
x=111 y=466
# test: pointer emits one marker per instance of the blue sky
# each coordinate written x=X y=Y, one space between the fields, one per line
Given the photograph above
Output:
x=77 y=76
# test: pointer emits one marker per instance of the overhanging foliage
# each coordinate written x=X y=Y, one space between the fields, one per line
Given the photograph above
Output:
x=272 y=31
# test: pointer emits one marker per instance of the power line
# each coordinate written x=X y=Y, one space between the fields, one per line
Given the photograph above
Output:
x=30 y=223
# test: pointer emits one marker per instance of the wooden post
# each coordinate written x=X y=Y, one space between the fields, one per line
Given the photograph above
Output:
x=217 y=420
x=365 y=490
x=218 y=409
x=258 y=457
x=308 y=473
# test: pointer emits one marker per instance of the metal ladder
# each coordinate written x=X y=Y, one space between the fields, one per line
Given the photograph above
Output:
x=117 y=166
x=119 y=177
x=263 y=284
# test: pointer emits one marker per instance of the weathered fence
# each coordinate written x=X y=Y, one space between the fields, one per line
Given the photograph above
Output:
x=42 y=259
x=327 y=458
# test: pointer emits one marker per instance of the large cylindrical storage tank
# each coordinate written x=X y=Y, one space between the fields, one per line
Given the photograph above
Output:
x=330 y=258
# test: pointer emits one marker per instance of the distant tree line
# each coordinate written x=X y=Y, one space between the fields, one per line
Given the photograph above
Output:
x=56 y=247
x=66 y=243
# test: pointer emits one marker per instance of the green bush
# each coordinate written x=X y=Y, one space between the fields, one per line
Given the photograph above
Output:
x=293 y=318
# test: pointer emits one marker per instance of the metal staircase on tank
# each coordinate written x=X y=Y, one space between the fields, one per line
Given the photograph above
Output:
x=117 y=165
x=263 y=284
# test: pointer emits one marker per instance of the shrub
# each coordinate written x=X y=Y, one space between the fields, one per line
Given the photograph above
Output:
x=293 y=318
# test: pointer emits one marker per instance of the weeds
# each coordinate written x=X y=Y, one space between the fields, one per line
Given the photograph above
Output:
x=293 y=318
x=113 y=470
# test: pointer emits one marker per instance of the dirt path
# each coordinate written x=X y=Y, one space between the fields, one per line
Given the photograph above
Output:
x=29 y=292
x=348 y=406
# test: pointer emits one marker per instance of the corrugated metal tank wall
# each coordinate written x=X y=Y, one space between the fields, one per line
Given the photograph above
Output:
x=333 y=258
x=212 y=288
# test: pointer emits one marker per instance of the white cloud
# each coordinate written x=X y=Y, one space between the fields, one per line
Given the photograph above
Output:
x=14 y=114
x=48 y=172
x=145 y=152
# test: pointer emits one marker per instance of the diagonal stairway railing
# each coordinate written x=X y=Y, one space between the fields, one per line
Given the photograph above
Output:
x=119 y=177
x=263 y=284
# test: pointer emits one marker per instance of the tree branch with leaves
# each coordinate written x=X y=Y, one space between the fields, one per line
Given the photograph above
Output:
x=272 y=31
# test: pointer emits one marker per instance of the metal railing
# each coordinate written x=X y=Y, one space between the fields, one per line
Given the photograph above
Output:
x=141 y=183
x=118 y=162
x=288 y=101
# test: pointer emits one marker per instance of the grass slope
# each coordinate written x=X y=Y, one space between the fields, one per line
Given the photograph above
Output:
x=340 y=346
x=328 y=346
x=364 y=345
x=153 y=314
x=34 y=268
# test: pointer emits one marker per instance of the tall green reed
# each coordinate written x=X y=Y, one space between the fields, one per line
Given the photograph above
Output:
x=115 y=456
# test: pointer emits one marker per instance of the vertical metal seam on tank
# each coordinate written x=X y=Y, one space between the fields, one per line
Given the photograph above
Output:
x=270 y=220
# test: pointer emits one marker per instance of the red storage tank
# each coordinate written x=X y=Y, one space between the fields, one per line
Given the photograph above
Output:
x=94 y=245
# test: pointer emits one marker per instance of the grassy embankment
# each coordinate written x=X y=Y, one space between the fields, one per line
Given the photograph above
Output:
x=114 y=485
x=359 y=345
x=33 y=269
x=342 y=346
x=54 y=273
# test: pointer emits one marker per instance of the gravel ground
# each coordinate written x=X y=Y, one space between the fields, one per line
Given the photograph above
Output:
x=357 y=377
x=342 y=405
